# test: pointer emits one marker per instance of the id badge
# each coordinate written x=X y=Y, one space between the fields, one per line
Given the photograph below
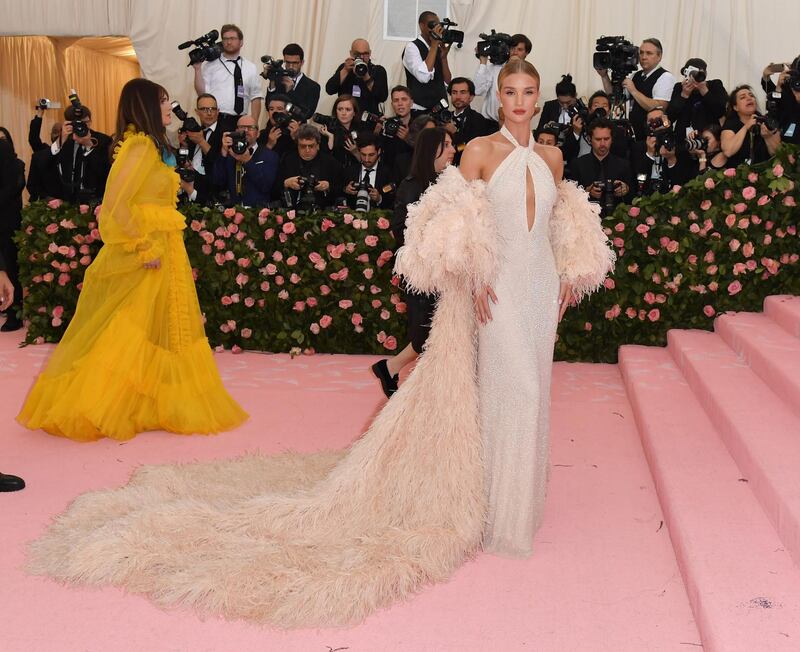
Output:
x=356 y=91
x=240 y=91
x=789 y=133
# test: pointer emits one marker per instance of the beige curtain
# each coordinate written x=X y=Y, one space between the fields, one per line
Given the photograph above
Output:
x=40 y=67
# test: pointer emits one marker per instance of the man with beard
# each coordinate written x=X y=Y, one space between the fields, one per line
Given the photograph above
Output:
x=467 y=123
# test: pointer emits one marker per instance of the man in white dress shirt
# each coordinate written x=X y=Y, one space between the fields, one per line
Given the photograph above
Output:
x=232 y=79
x=486 y=76
x=426 y=65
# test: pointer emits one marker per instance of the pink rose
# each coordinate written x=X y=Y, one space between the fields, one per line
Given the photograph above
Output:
x=238 y=218
x=744 y=223
x=56 y=322
x=630 y=312
x=314 y=328
x=752 y=177
x=314 y=257
x=327 y=224
x=226 y=300
x=777 y=170
x=730 y=172
x=277 y=256
x=382 y=223
x=356 y=319
x=618 y=242
x=751 y=265
x=709 y=183
x=279 y=280
x=294 y=279
x=633 y=211
x=673 y=246
x=51 y=228
x=48 y=277
x=763 y=200
x=344 y=304
x=789 y=201
x=385 y=314
x=694 y=227
x=368 y=273
x=232 y=229
x=324 y=290
x=264 y=286
x=633 y=269
x=739 y=208
x=376 y=303
x=749 y=192
x=401 y=307
x=654 y=314
x=613 y=313
x=249 y=302
x=206 y=249
x=390 y=343
x=587 y=326
x=85 y=260
x=283 y=295
x=271 y=269
x=728 y=193
x=63 y=279
x=325 y=321
x=58 y=312
x=734 y=244
x=713 y=286
x=229 y=212
x=609 y=283
x=692 y=259
x=649 y=298
x=709 y=257
x=730 y=220
x=299 y=306
x=289 y=227
x=734 y=288
x=243 y=262
x=291 y=260
x=54 y=203
x=348 y=219
x=650 y=220
x=246 y=333
x=311 y=302
x=705 y=204
x=709 y=311
x=371 y=240
x=620 y=227
x=642 y=228
x=229 y=255
x=674 y=220
x=269 y=233
x=712 y=269
x=241 y=279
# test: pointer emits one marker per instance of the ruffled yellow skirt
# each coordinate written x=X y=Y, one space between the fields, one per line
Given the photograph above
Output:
x=134 y=357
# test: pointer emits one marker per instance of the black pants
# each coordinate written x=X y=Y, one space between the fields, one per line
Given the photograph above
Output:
x=420 y=313
x=9 y=251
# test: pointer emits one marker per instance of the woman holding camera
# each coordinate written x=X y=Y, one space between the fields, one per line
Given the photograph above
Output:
x=433 y=152
x=711 y=157
x=746 y=137
x=341 y=135
x=135 y=355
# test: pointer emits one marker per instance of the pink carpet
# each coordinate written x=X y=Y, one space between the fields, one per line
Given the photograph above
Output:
x=604 y=575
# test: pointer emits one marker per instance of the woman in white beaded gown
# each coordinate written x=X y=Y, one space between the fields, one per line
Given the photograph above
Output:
x=326 y=538
x=518 y=314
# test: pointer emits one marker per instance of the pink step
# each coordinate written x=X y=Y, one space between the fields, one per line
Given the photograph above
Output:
x=760 y=431
x=742 y=584
x=784 y=310
x=771 y=352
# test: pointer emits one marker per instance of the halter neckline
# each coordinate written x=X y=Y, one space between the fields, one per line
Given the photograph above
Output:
x=513 y=140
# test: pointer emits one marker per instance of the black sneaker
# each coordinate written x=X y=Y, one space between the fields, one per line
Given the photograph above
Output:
x=11 y=483
x=13 y=323
x=388 y=382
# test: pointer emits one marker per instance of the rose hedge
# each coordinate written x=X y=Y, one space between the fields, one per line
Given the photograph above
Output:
x=274 y=281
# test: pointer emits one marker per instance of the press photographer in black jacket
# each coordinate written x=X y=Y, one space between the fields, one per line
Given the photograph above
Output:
x=696 y=101
x=360 y=78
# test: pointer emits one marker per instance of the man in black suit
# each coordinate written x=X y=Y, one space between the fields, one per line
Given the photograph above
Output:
x=306 y=161
x=594 y=170
x=696 y=104
x=300 y=90
x=279 y=132
x=204 y=148
x=377 y=175
x=659 y=164
x=7 y=482
x=43 y=176
x=83 y=162
x=248 y=177
x=467 y=123
x=557 y=110
x=370 y=89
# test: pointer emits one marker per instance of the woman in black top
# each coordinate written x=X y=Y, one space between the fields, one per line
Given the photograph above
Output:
x=712 y=157
x=343 y=134
x=744 y=138
x=433 y=152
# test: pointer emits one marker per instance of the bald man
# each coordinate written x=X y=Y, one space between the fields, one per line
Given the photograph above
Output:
x=370 y=89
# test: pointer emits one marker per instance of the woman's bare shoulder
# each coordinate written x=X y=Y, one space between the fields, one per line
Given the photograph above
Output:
x=480 y=156
x=553 y=157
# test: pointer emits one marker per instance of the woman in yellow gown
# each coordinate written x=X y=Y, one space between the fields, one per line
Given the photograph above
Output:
x=135 y=356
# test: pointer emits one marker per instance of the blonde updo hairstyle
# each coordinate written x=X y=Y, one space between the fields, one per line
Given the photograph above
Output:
x=515 y=66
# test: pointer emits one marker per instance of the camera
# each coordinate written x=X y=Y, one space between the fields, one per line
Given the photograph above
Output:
x=327 y=121
x=496 y=46
x=307 y=201
x=291 y=112
x=44 y=103
x=391 y=126
x=189 y=123
x=371 y=119
x=441 y=112
x=361 y=68
x=79 y=127
x=697 y=144
x=607 y=198
x=617 y=55
x=662 y=130
x=275 y=69
x=770 y=121
x=362 y=197
x=208 y=48
x=695 y=74
x=239 y=145
x=449 y=35
x=182 y=157
x=579 y=108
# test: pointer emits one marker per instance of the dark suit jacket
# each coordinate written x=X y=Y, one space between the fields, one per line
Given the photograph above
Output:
x=323 y=166
x=474 y=125
x=410 y=190
x=385 y=177
x=43 y=178
x=551 y=111
x=684 y=169
x=306 y=94
x=95 y=168
x=12 y=182
x=587 y=169
x=259 y=176
x=369 y=99
x=697 y=111
x=204 y=184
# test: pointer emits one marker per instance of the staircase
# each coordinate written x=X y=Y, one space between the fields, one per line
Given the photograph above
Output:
x=719 y=418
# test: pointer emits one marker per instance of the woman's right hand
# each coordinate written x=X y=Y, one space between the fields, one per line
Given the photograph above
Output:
x=482 y=310
x=153 y=264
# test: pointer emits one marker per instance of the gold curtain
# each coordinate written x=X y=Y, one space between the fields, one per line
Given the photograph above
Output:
x=38 y=66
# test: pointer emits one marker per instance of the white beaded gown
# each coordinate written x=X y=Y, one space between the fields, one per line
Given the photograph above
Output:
x=515 y=354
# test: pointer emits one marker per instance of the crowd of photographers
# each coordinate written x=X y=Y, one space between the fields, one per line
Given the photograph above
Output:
x=644 y=131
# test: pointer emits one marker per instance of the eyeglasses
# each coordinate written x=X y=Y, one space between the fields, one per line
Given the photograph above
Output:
x=207 y=109
x=361 y=54
x=249 y=128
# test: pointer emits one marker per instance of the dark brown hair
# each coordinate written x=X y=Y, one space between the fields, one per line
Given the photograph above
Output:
x=344 y=97
x=428 y=145
x=731 y=106
x=140 y=108
x=228 y=27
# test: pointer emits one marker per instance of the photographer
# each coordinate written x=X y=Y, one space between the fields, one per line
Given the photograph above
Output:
x=300 y=90
x=696 y=101
x=376 y=175
x=425 y=63
x=232 y=79
x=204 y=148
x=606 y=177
x=547 y=134
x=306 y=163
x=661 y=160
x=576 y=138
x=433 y=154
x=558 y=110
x=396 y=143
x=341 y=129
x=746 y=136
x=709 y=155
x=487 y=73
x=651 y=86
x=246 y=170
x=365 y=81
x=467 y=123
x=82 y=161
x=281 y=130
x=43 y=177
x=402 y=162
x=12 y=182
x=783 y=98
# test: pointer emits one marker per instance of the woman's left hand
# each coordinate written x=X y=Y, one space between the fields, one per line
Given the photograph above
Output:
x=565 y=299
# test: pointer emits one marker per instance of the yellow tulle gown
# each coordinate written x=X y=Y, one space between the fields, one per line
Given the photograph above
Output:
x=135 y=355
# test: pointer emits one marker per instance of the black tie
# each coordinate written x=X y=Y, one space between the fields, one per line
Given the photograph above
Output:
x=238 y=103
x=366 y=178
x=77 y=168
